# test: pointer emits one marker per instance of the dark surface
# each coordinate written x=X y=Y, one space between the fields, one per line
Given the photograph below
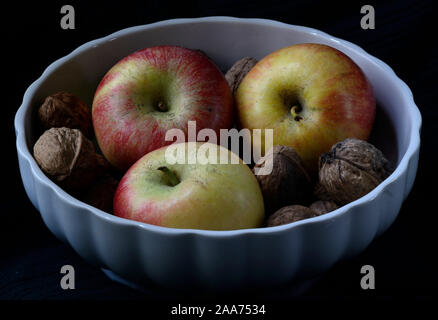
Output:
x=31 y=257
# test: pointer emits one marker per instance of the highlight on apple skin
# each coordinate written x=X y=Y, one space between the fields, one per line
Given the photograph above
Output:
x=153 y=90
x=190 y=196
x=311 y=95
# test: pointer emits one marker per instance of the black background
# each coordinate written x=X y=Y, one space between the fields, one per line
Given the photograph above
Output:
x=404 y=38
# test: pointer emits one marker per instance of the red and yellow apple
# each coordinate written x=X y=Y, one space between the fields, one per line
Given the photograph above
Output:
x=154 y=90
x=210 y=196
x=311 y=95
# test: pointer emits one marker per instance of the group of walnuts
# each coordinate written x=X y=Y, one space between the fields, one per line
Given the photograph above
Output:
x=351 y=169
x=66 y=153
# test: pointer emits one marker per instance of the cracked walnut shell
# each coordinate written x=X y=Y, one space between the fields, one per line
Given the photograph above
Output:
x=289 y=214
x=323 y=206
x=68 y=158
x=288 y=183
x=64 y=109
x=238 y=71
x=351 y=169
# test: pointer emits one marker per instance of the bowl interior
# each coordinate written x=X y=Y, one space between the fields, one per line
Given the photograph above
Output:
x=225 y=42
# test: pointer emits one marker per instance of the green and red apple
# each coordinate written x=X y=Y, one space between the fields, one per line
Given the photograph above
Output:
x=209 y=196
x=311 y=95
x=154 y=90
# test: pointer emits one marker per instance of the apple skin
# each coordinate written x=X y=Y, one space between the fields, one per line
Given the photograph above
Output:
x=335 y=98
x=208 y=196
x=151 y=91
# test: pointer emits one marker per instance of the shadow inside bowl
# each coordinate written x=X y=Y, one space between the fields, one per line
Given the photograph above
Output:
x=384 y=137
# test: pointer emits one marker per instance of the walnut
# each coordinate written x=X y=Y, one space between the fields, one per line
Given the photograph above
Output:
x=289 y=214
x=68 y=158
x=288 y=183
x=320 y=193
x=323 y=206
x=238 y=71
x=101 y=193
x=351 y=169
x=64 y=109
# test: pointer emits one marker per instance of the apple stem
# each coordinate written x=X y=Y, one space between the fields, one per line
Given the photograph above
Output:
x=170 y=177
x=162 y=106
x=294 y=112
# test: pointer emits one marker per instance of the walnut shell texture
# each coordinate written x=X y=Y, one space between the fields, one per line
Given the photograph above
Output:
x=68 y=158
x=287 y=184
x=323 y=206
x=289 y=214
x=351 y=169
x=238 y=71
x=320 y=193
x=64 y=109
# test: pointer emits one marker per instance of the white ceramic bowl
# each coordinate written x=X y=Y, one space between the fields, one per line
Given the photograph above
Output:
x=145 y=253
